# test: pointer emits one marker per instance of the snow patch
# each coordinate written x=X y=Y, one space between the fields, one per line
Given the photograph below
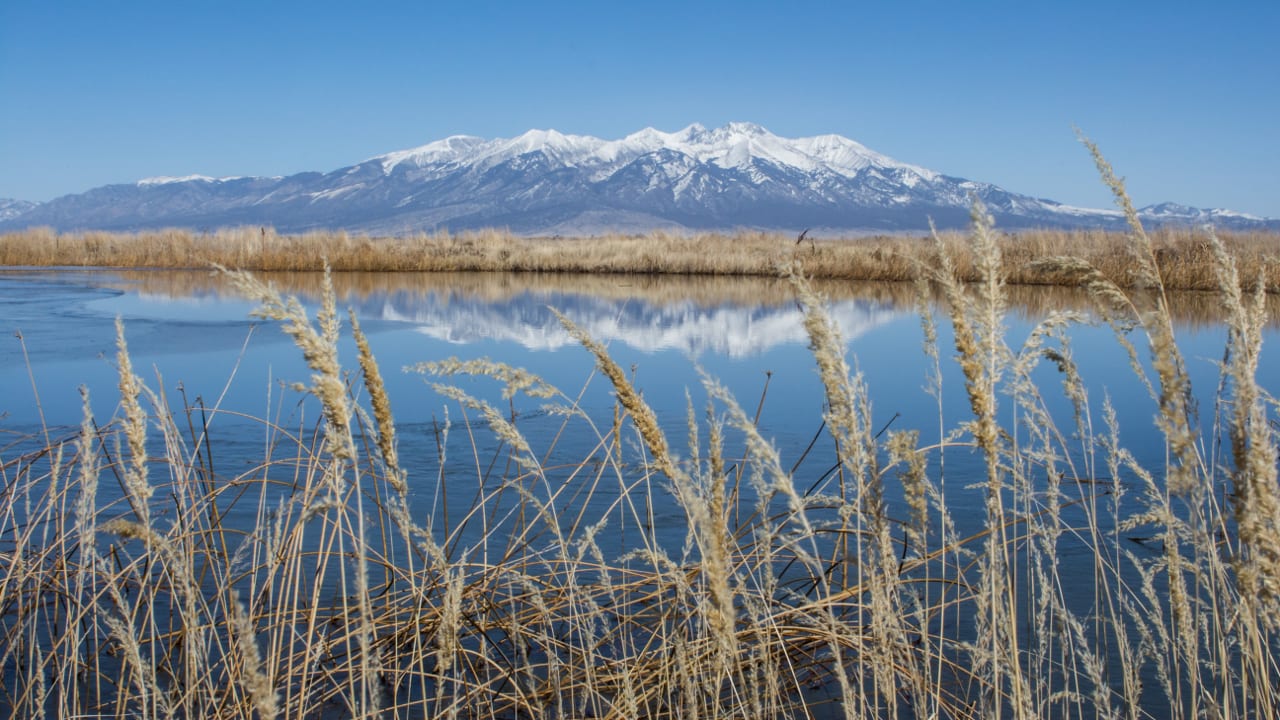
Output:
x=167 y=180
x=335 y=192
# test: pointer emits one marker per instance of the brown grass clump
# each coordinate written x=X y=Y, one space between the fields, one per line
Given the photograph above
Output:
x=1184 y=260
x=349 y=588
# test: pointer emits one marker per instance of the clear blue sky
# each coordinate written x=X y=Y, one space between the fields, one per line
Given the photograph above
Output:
x=1184 y=98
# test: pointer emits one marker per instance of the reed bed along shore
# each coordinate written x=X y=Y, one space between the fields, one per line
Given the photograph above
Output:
x=1184 y=258
x=547 y=592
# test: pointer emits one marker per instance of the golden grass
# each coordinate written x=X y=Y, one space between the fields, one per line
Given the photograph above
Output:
x=1184 y=258
x=552 y=594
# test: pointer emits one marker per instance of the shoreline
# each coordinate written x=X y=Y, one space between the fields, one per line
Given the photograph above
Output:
x=1182 y=255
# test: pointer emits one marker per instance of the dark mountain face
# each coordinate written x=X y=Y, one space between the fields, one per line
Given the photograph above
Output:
x=544 y=182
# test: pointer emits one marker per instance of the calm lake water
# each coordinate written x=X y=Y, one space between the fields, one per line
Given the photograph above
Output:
x=191 y=337
x=193 y=342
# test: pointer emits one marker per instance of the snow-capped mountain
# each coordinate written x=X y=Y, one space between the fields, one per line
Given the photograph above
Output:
x=546 y=182
x=13 y=208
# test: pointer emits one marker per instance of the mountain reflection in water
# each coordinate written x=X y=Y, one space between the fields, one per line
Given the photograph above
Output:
x=737 y=316
x=734 y=317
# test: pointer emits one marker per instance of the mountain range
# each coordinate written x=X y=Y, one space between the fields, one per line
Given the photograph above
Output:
x=546 y=183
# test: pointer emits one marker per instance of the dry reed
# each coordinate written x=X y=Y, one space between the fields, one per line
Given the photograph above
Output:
x=1183 y=258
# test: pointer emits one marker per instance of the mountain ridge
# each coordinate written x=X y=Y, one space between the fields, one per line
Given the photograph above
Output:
x=10 y=208
x=736 y=176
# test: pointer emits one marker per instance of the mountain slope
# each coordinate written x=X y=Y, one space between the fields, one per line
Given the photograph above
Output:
x=13 y=208
x=545 y=182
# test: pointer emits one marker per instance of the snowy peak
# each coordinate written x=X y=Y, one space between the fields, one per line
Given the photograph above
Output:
x=841 y=153
x=448 y=150
x=735 y=132
x=471 y=150
x=1174 y=212
x=166 y=180
x=566 y=150
x=551 y=141
x=736 y=145
x=10 y=209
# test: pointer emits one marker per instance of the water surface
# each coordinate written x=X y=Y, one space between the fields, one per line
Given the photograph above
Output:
x=192 y=338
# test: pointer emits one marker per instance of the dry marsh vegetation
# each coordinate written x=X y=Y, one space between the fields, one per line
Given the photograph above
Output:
x=855 y=594
x=1183 y=258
